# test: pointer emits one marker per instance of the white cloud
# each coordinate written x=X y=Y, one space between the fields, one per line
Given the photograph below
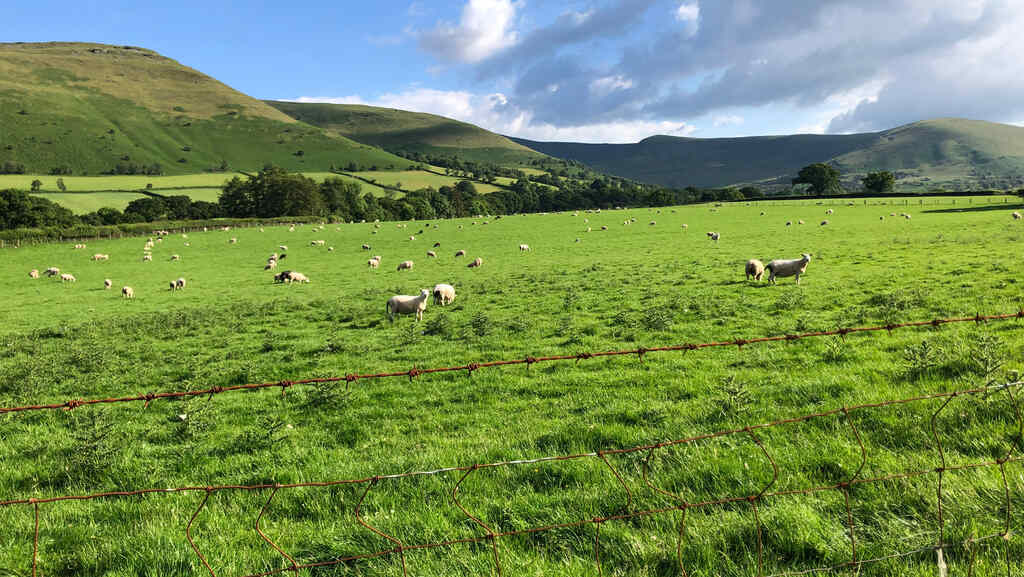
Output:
x=485 y=28
x=727 y=120
x=688 y=12
x=495 y=113
x=607 y=84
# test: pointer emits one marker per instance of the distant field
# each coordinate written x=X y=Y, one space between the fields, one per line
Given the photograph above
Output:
x=126 y=182
x=83 y=202
x=417 y=179
x=633 y=285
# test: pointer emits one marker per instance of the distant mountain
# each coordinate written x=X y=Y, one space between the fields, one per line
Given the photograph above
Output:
x=90 y=107
x=400 y=130
x=954 y=154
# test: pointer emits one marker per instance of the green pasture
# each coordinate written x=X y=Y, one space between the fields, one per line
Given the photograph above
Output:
x=632 y=285
x=417 y=179
x=116 y=182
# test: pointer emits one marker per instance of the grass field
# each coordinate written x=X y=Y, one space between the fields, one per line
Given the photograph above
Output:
x=632 y=285
x=123 y=182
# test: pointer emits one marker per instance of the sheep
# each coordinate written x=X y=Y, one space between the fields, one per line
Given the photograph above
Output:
x=784 y=268
x=172 y=285
x=524 y=247
x=147 y=257
x=685 y=226
x=405 y=265
x=127 y=292
x=330 y=249
x=789 y=223
x=99 y=256
x=437 y=244
x=412 y=237
x=906 y=216
x=406 y=305
x=366 y=247
x=476 y=262
x=443 y=294
x=431 y=254
x=175 y=257
x=296 y=277
x=67 y=277
x=824 y=222
x=107 y=283
x=179 y=284
x=799 y=222
x=232 y=240
x=282 y=248
x=271 y=265
x=376 y=258
x=281 y=276
x=892 y=214
x=763 y=213
x=459 y=253
x=588 y=229
x=714 y=236
x=754 y=268
x=52 y=271
x=604 y=228
x=34 y=273
x=654 y=222
x=1016 y=215
x=283 y=256
x=373 y=263
x=881 y=217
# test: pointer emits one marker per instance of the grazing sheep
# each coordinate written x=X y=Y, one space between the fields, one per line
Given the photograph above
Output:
x=799 y=222
x=281 y=276
x=52 y=271
x=373 y=263
x=754 y=268
x=829 y=211
x=172 y=285
x=330 y=249
x=179 y=284
x=437 y=244
x=604 y=228
x=906 y=216
x=412 y=237
x=127 y=292
x=407 y=305
x=824 y=222
x=431 y=254
x=376 y=258
x=476 y=262
x=881 y=218
x=366 y=247
x=107 y=283
x=67 y=277
x=175 y=257
x=459 y=253
x=283 y=256
x=282 y=248
x=714 y=236
x=789 y=223
x=654 y=222
x=1016 y=215
x=685 y=226
x=99 y=256
x=524 y=247
x=296 y=277
x=443 y=294
x=146 y=257
x=232 y=240
x=588 y=229
x=405 y=265
x=892 y=214
x=271 y=265
x=34 y=273
x=784 y=268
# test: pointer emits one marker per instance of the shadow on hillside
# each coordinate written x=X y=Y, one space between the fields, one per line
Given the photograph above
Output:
x=980 y=208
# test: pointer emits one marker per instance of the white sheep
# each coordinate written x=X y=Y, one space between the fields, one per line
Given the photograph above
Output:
x=107 y=283
x=431 y=254
x=271 y=265
x=524 y=247
x=52 y=271
x=407 y=305
x=366 y=247
x=147 y=257
x=685 y=226
x=34 y=273
x=789 y=223
x=179 y=284
x=232 y=240
x=1016 y=215
x=754 y=268
x=67 y=277
x=443 y=294
x=405 y=265
x=175 y=257
x=373 y=263
x=714 y=236
x=412 y=237
x=127 y=292
x=99 y=256
x=783 y=268
x=476 y=262
x=829 y=211
x=296 y=277
x=799 y=222
x=282 y=248
x=172 y=285
x=459 y=253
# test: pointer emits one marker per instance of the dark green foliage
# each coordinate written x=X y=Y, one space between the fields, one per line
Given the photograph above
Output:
x=883 y=181
x=21 y=210
x=822 y=178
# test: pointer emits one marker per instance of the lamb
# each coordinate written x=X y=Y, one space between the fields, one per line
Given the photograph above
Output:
x=107 y=283
x=524 y=247
x=373 y=263
x=431 y=254
x=179 y=284
x=1016 y=215
x=443 y=294
x=906 y=216
x=755 y=268
x=407 y=305
x=459 y=253
x=127 y=292
x=476 y=262
x=67 y=277
x=330 y=249
x=34 y=273
x=784 y=268
x=405 y=265
x=52 y=271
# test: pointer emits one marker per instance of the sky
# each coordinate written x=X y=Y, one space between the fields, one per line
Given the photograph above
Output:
x=588 y=71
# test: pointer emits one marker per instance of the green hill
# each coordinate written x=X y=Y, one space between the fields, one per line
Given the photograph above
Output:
x=403 y=131
x=91 y=107
x=954 y=154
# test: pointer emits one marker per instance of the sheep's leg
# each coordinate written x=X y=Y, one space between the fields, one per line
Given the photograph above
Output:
x=797 y=278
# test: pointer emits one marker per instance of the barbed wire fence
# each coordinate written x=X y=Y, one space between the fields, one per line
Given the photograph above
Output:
x=492 y=537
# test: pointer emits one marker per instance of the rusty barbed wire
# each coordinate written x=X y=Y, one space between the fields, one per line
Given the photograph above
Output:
x=1012 y=454
x=469 y=368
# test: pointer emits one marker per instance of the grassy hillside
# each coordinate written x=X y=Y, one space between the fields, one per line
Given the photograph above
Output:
x=89 y=107
x=400 y=130
x=954 y=154
x=232 y=325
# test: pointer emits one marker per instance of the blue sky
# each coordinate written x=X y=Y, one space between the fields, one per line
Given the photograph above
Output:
x=594 y=71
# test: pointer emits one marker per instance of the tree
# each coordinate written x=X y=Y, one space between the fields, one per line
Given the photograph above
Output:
x=751 y=192
x=824 y=179
x=879 y=181
x=36 y=185
x=60 y=185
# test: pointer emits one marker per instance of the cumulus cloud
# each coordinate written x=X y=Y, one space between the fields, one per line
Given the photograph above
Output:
x=485 y=28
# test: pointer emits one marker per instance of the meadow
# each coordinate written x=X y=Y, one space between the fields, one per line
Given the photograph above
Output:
x=629 y=286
